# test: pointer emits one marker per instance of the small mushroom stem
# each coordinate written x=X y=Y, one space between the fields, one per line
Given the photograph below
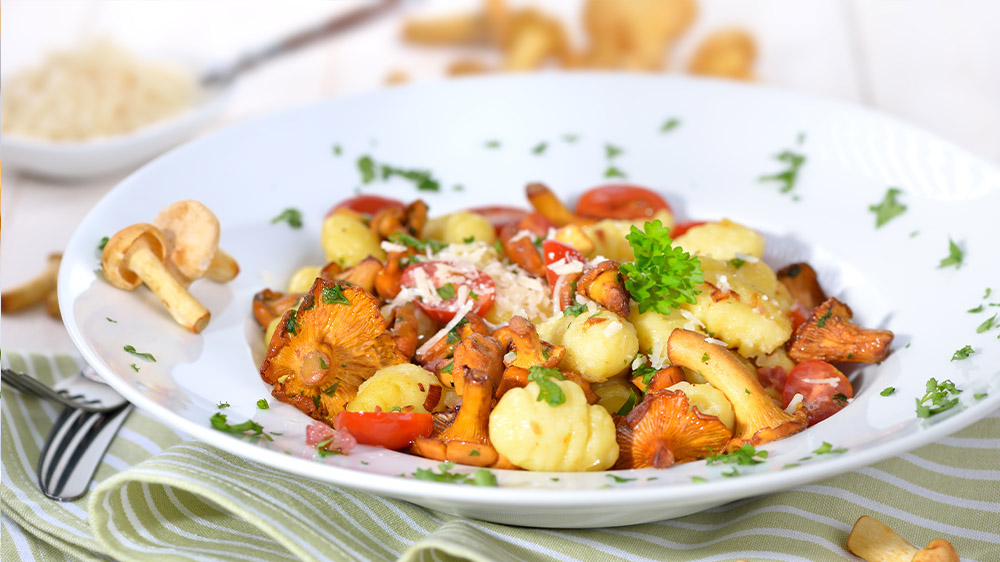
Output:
x=52 y=304
x=33 y=291
x=184 y=308
x=223 y=268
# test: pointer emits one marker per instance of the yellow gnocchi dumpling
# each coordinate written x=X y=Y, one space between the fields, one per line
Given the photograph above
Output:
x=598 y=345
x=708 y=400
x=571 y=437
x=456 y=228
x=346 y=240
x=397 y=386
x=302 y=280
x=722 y=240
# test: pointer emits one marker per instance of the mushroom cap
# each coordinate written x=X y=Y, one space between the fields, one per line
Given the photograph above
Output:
x=192 y=233
x=115 y=258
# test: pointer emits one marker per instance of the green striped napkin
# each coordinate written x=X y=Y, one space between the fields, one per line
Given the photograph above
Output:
x=160 y=497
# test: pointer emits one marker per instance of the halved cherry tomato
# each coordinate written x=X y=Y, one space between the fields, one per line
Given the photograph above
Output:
x=620 y=201
x=446 y=278
x=392 y=430
x=500 y=216
x=367 y=204
x=553 y=251
x=824 y=389
x=684 y=226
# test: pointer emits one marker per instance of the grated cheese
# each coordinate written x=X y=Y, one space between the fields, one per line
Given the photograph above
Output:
x=391 y=247
x=693 y=323
x=510 y=357
x=657 y=359
x=612 y=328
x=521 y=234
x=562 y=267
x=723 y=283
x=717 y=342
x=796 y=400
x=462 y=311
x=639 y=361
x=747 y=257
x=833 y=381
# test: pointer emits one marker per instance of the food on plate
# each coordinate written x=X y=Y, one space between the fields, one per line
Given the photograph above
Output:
x=38 y=289
x=168 y=256
x=504 y=338
x=874 y=541
x=96 y=90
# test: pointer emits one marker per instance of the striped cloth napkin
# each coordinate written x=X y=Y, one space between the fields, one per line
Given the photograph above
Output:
x=159 y=497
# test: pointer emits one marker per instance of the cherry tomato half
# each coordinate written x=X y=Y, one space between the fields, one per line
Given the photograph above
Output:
x=684 y=226
x=447 y=278
x=620 y=201
x=824 y=389
x=367 y=204
x=500 y=216
x=392 y=430
x=553 y=251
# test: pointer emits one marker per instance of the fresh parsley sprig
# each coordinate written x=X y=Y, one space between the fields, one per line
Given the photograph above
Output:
x=548 y=390
x=663 y=276
x=938 y=398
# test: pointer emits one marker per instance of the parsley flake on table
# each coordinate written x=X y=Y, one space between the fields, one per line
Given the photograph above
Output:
x=938 y=398
x=539 y=148
x=146 y=356
x=481 y=477
x=963 y=353
x=887 y=391
x=292 y=216
x=745 y=455
x=987 y=294
x=789 y=176
x=888 y=209
x=955 y=256
x=986 y=325
x=548 y=390
x=662 y=276
x=669 y=125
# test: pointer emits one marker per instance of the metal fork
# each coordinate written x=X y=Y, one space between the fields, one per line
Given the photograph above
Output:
x=85 y=391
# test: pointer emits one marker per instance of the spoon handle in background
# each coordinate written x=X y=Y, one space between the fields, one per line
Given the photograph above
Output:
x=336 y=24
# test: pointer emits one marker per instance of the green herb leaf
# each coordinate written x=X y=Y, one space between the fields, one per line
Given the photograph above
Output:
x=109 y=319
x=827 y=449
x=575 y=309
x=292 y=216
x=248 y=428
x=647 y=372
x=492 y=144
x=367 y=168
x=826 y=316
x=986 y=325
x=704 y=358
x=614 y=172
x=745 y=455
x=840 y=399
x=887 y=391
x=222 y=405
x=134 y=367
x=669 y=125
x=789 y=176
x=418 y=245
x=630 y=403
x=446 y=291
x=570 y=138
x=963 y=353
x=292 y=324
x=262 y=404
x=539 y=149
x=331 y=390
x=980 y=395
x=548 y=390
x=737 y=262
x=938 y=398
x=662 y=276
x=146 y=356
x=976 y=310
x=103 y=243
x=987 y=294
x=447 y=368
x=619 y=479
x=481 y=477
x=698 y=479
x=334 y=295
x=955 y=256
x=888 y=209
x=611 y=151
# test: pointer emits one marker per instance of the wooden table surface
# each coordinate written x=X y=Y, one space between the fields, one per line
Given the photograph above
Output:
x=933 y=63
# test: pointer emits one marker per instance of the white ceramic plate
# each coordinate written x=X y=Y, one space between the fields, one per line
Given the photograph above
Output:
x=707 y=167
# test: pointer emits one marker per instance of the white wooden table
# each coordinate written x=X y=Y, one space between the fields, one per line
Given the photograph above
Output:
x=934 y=63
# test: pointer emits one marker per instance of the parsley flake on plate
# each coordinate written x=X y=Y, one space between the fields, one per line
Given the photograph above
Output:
x=620 y=479
x=988 y=324
x=963 y=353
x=103 y=243
x=492 y=144
x=248 y=428
x=888 y=209
x=789 y=176
x=669 y=125
x=887 y=391
x=955 y=256
x=938 y=398
x=663 y=276
x=539 y=148
x=292 y=216
x=147 y=356
x=745 y=455
x=614 y=172
x=262 y=404
x=481 y=477
x=611 y=151
x=827 y=449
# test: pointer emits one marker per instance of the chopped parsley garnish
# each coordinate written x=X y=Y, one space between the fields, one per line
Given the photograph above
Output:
x=367 y=168
x=938 y=398
x=146 y=356
x=888 y=209
x=453 y=335
x=914 y=233
x=737 y=262
x=331 y=390
x=647 y=372
x=704 y=358
x=103 y=243
x=109 y=319
x=980 y=395
x=887 y=391
x=292 y=324
x=334 y=295
x=492 y=144
x=614 y=172
x=986 y=325
x=662 y=276
x=611 y=151
x=468 y=239
x=248 y=428
x=548 y=390
x=371 y=170
x=222 y=405
x=337 y=151
x=292 y=216
x=322 y=451
x=955 y=256
x=669 y=125
x=826 y=316
x=418 y=245
x=976 y=310
x=619 y=479
x=963 y=353
x=262 y=404
x=134 y=367
x=840 y=398
x=570 y=138
x=987 y=294
x=575 y=309
x=539 y=148
x=447 y=368
x=790 y=175
x=317 y=401
x=698 y=479
x=827 y=449
x=745 y=455
x=481 y=477
x=446 y=291
x=630 y=403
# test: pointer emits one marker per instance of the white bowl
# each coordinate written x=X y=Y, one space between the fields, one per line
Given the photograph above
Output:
x=707 y=167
